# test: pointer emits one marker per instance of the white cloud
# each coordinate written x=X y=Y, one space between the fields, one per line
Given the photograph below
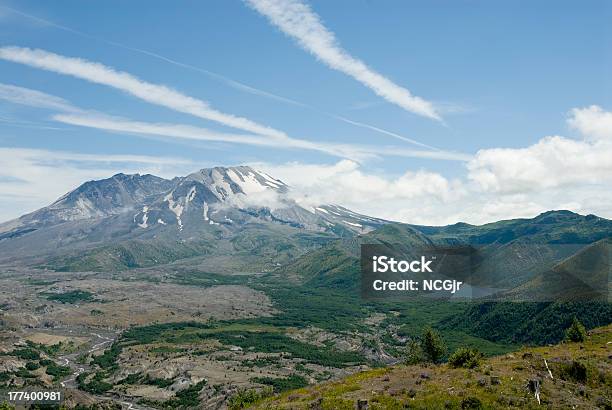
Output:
x=501 y=183
x=421 y=197
x=33 y=178
x=33 y=98
x=298 y=21
x=592 y=122
x=346 y=183
x=149 y=92
x=552 y=162
x=118 y=124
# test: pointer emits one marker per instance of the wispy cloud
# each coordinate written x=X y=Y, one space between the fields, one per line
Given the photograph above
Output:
x=76 y=116
x=237 y=85
x=149 y=92
x=297 y=20
x=352 y=151
x=383 y=131
x=224 y=79
x=118 y=124
x=33 y=98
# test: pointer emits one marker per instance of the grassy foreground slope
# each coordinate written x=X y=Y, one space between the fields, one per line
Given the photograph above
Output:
x=581 y=378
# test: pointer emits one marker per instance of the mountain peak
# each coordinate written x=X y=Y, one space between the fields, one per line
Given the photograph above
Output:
x=238 y=179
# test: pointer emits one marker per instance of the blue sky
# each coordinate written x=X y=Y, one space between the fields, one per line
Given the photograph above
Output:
x=502 y=74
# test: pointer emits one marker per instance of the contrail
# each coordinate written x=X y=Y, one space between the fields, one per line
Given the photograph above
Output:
x=219 y=77
x=297 y=20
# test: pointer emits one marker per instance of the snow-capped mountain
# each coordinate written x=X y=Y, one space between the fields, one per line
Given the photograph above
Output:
x=211 y=194
x=91 y=200
x=125 y=207
x=240 y=195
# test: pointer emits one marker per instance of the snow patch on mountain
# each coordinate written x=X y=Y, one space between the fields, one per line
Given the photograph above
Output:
x=191 y=195
x=205 y=211
x=145 y=217
x=176 y=208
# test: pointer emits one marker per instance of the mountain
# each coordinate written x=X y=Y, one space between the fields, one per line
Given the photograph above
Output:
x=514 y=251
x=139 y=220
x=337 y=264
x=93 y=199
x=583 y=276
x=248 y=216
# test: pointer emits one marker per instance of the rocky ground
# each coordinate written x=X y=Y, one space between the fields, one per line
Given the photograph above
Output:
x=56 y=326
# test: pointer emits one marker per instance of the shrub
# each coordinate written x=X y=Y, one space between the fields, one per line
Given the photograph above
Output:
x=471 y=403
x=279 y=385
x=245 y=398
x=574 y=371
x=26 y=354
x=433 y=346
x=96 y=386
x=414 y=352
x=465 y=357
x=189 y=397
x=54 y=369
x=32 y=365
x=576 y=332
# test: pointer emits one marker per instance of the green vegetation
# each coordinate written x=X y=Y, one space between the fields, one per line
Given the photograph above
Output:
x=302 y=306
x=465 y=357
x=244 y=334
x=188 y=397
x=96 y=385
x=260 y=362
x=159 y=382
x=107 y=360
x=246 y=398
x=55 y=370
x=294 y=381
x=576 y=332
x=26 y=353
x=575 y=371
x=72 y=297
x=267 y=342
x=133 y=378
x=24 y=373
x=5 y=377
x=433 y=346
x=50 y=350
x=414 y=352
x=32 y=366
x=526 y=322
x=582 y=379
x=128 y=255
